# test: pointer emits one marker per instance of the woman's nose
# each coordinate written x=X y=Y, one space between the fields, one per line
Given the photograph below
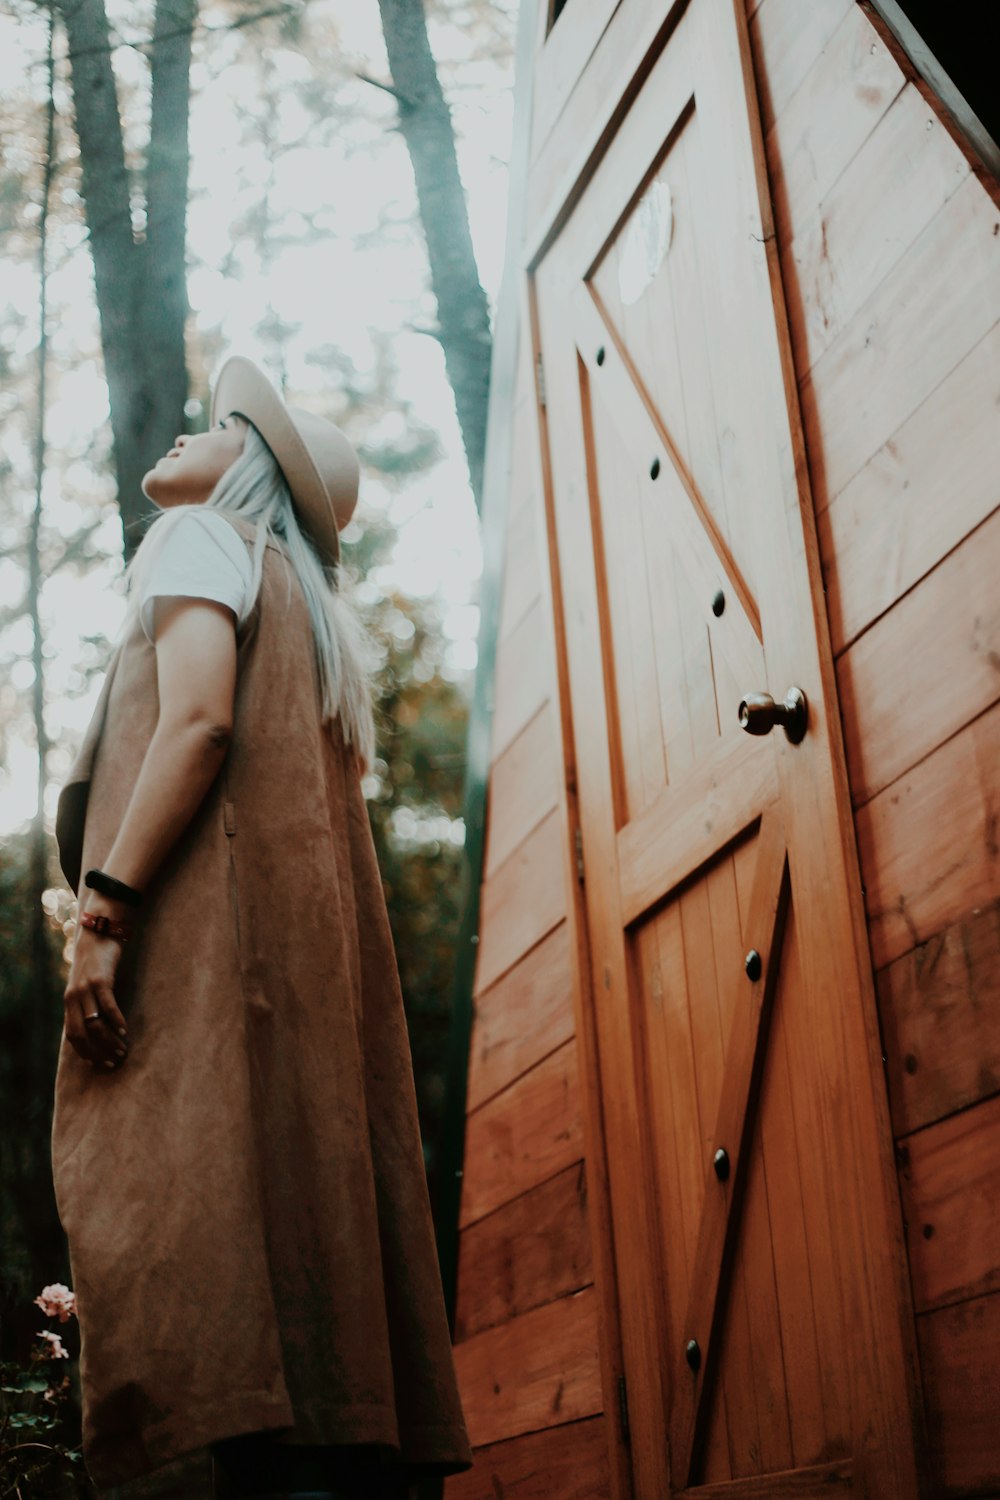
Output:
x=180 y=440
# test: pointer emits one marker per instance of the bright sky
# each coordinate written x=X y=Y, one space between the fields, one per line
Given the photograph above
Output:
x=334 y=293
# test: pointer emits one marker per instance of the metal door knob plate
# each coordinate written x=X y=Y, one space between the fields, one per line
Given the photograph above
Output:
x=759 y=713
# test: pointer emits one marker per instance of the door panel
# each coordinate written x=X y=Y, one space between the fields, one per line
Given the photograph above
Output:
x=733 y=997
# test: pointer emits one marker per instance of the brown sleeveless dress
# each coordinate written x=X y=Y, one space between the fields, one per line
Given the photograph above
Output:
x=245 y=1200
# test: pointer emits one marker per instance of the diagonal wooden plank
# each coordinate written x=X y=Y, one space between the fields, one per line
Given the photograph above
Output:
x=814 y=1483
x=690 y=820
x=701 y=547
x=733 y=1130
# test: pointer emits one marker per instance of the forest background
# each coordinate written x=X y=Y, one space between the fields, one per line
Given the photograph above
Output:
x=320 y=184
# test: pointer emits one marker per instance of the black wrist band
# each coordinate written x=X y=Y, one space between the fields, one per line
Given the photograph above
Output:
x=109 y=886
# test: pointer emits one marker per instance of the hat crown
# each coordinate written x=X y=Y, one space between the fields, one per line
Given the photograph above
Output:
x=317 y=460
x=334 y=457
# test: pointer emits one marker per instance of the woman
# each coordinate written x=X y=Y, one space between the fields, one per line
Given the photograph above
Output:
x=235 y=1145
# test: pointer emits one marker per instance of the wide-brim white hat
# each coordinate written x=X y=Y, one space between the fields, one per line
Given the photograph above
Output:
x=320 y=467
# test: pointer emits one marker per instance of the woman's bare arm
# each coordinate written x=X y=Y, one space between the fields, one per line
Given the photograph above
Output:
x=196 y=679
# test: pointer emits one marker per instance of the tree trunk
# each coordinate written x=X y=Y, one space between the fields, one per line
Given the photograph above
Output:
x=139 y=276
x=463 y=312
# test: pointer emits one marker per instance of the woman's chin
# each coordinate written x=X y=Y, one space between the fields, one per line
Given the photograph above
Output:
x=152 y=487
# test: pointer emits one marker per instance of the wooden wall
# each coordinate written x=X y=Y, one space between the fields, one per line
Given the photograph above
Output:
x=890 y=249
x=526 y=1331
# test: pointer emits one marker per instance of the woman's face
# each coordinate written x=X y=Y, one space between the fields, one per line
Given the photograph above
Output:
x=188 y=474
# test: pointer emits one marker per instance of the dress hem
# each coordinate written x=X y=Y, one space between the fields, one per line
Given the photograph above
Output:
x=128 y=1458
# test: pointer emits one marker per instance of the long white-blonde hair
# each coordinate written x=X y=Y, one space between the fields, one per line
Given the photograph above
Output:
x=254 y=488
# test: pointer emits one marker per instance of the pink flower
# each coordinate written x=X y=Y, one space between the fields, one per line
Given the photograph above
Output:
x=57 y=1351
x=57 y=1301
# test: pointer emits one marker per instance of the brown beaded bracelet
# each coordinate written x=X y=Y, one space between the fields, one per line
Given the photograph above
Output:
x=98 y=922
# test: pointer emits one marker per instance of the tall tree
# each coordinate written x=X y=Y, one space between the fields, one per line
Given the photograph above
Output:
x=139 y=271
x=463 y=311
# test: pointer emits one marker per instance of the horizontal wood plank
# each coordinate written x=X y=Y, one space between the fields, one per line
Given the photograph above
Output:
x=534 y=1371
x=950 y=1180
x=522 y=579
x=523 y=786
x=932 y=481
x=925 y=669
x=521 y=901
x=528 y=1252
x=786 y=38
x=567 y=1462
x=691 y=820
x=960 y=1359
x=521 y=1018
x=928 y=844
x=940 y=1011
x=886 y=196
x=525 y=676
x=852 y=82
x=941 y=299
x=523 y=1135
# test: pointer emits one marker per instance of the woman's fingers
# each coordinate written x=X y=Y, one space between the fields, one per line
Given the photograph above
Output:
x=113 y=1022
x=95 y=1039
x=79 y=1003
x=90 y=994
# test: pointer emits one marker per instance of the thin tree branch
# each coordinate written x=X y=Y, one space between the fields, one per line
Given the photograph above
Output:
x=386 y=88
x=173 y=32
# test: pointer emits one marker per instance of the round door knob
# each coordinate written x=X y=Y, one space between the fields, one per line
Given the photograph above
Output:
x=759 y=713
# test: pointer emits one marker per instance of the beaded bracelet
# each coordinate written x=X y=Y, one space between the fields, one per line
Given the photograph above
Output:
x=97 y=922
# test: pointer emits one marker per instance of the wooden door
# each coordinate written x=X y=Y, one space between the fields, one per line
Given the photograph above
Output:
x=762 y=1280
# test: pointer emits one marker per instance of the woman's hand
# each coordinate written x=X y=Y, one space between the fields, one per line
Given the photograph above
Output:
x=91 y=987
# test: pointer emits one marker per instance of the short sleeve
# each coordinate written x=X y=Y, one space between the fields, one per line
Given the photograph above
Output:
x=202 y=557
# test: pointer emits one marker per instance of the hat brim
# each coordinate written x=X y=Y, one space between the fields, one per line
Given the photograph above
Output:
x=243 y=388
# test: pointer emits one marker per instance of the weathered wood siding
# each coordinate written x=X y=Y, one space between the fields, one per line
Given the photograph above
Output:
x=890 y=249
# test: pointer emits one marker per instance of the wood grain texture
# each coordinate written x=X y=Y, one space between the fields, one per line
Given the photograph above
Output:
x=882 y=201
x=522 y=901
x=853 y=82
x=942 y=297
x=522 y=583
x=522 y=1017
x=745 y=1047
x=522 y=786
x=560 y=62
x=613 y=74
x=917 y=497
x=960 y=1356
x=525 y=677
x=940 y=1009
x=928 y=844
x=896 y=714
x=529 y=1252
x=787 y=38
x=794 y=1484
x=523 y=1135
x=566 y=1462
x=950 y=1179
x=534 y=1371
x=687 y=824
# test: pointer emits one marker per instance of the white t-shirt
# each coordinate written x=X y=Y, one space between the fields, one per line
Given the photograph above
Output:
x=202 y=556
